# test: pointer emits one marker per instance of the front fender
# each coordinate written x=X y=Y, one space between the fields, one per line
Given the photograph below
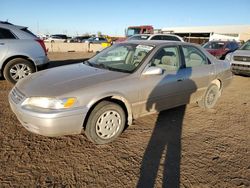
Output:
x=117 y=96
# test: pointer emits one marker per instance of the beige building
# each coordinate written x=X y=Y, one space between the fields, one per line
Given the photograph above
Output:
x=203 y=34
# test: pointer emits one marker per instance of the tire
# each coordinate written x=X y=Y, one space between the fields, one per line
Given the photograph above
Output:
x=17 y=69
x=211 y=96
x=105 y=123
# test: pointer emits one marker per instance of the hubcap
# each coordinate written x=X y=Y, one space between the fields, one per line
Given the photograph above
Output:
x=108 y=124
x=19 y=71
x=211 y=97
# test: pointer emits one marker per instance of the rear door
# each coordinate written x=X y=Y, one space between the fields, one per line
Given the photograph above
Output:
x=5 y=37
x=199 y=70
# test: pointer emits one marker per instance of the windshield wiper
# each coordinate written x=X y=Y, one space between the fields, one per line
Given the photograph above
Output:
x=101 y=65
x=88 y=63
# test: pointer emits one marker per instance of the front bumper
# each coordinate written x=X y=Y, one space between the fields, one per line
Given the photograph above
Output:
x=55 y=123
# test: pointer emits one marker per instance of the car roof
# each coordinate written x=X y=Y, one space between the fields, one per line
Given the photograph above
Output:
x=157 y=42
x=162 y=43
x=8 y=25
x=21 y=32
x=223 y=41
x=157 y=34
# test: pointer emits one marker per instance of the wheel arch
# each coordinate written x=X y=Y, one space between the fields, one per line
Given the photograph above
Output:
x=121 y=101
x=16 y=57
x=218 y=83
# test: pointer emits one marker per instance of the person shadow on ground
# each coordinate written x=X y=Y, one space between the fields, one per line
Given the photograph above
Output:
x=163 y=152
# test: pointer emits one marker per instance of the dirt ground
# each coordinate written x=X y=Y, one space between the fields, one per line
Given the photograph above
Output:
x=182 y=147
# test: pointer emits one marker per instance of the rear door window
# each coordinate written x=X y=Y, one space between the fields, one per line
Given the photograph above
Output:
x=28 y=31
x=194 y=57
x=6 y=34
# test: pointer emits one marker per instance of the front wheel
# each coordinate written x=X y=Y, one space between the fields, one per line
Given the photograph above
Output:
x=211 y=96
x=106 y=122
x=17 y=69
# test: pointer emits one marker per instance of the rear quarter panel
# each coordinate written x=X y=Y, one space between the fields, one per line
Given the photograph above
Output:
x=223 y=72
x=3 y=51
x=27 y=47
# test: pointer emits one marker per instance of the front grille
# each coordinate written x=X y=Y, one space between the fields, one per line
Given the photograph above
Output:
x=242 y=58
x=16 y=95
x=239 y=65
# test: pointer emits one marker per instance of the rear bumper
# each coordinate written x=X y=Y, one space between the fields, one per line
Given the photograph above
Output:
x=41 y=60
x=41 y=63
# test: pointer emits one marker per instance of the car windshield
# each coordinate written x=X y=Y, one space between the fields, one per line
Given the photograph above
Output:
x=139 y=37
x=121 y=57
x=245 y=46
x=214 y=45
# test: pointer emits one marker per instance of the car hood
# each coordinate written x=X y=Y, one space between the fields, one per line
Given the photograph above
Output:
x=242 y=53
x=66 y=79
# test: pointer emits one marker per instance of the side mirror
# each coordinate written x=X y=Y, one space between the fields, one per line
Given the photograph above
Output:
x=152 y=71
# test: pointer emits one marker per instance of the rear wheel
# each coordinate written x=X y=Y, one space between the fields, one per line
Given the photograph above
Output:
x=211 y=96
x=17 y=69
x=106 y=122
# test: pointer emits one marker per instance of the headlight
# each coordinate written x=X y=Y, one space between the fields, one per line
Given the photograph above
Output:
x=229 y=57
x=50 y=103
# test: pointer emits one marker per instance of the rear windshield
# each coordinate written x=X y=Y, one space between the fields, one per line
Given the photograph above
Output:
x=25 y=29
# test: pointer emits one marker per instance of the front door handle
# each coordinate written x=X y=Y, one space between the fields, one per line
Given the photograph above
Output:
x=1 y=43
x=180 y=80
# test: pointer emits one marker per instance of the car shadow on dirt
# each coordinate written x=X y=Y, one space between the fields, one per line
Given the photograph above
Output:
x=163 y=152
x=164 y=145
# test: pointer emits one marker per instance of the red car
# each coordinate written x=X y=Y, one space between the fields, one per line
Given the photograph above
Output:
x=220 y=49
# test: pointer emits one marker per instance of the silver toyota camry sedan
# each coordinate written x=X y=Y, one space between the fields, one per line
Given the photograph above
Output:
x=123 y=82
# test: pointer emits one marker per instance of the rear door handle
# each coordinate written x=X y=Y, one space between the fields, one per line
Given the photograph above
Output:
x=1 y=43
x=180 y=79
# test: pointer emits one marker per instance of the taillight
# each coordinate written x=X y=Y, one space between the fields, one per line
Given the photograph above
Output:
x=40 y=41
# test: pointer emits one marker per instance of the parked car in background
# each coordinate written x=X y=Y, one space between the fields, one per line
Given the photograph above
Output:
x=240 y=59
x=123 y=82
x=220 y=49
x=57 y=38
x=168 y=37
x=96 y=40
x=79 y=39
x=21 y=52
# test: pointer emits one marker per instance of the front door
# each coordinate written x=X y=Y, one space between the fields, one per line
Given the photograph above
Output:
x=167 y=90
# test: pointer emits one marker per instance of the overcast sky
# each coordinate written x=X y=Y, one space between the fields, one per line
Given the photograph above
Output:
x=75 y=17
